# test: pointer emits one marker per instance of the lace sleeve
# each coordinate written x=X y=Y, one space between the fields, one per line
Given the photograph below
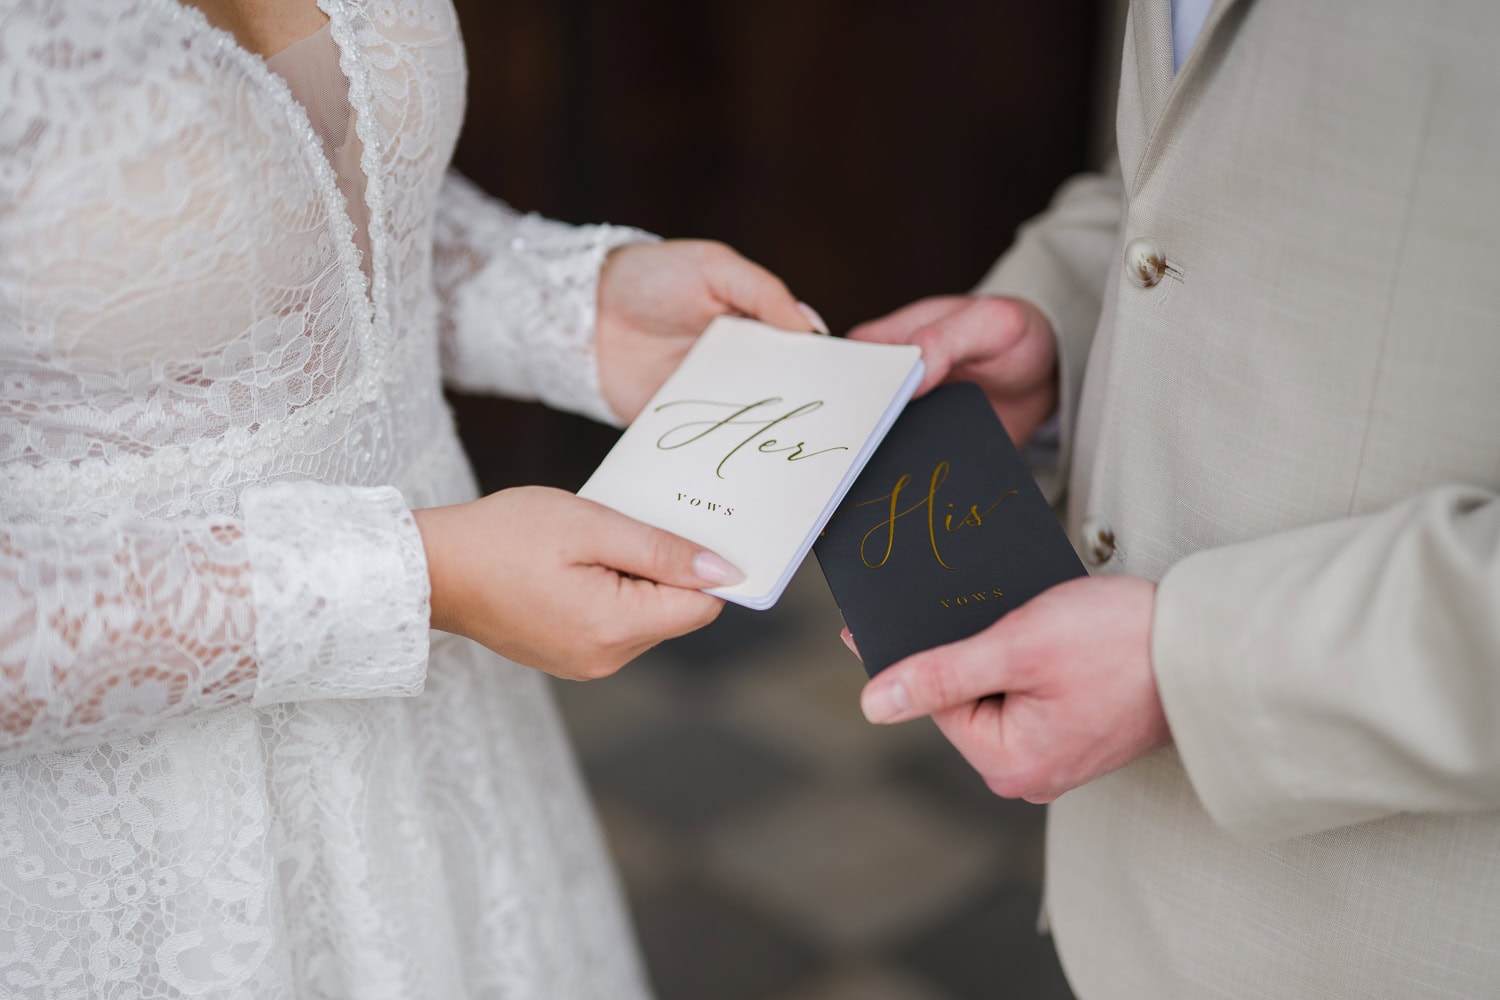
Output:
x=318 y=592
x=518 y=294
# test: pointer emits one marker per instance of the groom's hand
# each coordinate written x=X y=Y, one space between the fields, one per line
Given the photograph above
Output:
x=1057 y=693
x=1004 y=344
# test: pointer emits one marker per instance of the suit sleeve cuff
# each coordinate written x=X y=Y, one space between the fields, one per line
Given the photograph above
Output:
x=1225 y=735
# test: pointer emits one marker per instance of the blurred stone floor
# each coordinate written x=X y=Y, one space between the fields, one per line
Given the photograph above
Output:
x=777 y=847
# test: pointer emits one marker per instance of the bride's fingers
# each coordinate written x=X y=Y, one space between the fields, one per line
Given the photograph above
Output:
x=624 y=544
x=743 y=286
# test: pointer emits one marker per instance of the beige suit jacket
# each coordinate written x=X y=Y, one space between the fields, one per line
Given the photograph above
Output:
x=1297 y=431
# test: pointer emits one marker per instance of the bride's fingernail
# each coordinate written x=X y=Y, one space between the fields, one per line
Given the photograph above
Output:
x=716 y=570
x=813 y=317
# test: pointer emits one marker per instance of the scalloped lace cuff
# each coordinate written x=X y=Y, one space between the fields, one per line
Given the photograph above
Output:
x=542 y=294
x=339 y=578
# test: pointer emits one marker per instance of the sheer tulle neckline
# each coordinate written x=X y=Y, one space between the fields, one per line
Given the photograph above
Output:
x=312 y=73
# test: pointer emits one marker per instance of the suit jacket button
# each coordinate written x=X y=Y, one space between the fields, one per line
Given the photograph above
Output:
x=1144 y=262
x=1098 y=541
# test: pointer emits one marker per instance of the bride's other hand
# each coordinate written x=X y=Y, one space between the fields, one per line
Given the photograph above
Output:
x=654 y=300
x=562 y=584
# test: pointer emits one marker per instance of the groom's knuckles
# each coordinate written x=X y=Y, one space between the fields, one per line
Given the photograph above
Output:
x=933 y=339
x=955 y=674
x=966 y=730
x=930 y=683
x=991 y=318
x=1009 y=785
x=900 y=326
x=981 y=330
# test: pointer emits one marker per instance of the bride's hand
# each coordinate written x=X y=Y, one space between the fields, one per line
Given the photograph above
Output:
x=654 y=300
x=563 y=584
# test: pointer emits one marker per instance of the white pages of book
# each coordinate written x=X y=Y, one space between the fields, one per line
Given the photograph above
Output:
x=752 y=442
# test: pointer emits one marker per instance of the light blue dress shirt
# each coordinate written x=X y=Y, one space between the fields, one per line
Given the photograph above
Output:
x=1187 y=21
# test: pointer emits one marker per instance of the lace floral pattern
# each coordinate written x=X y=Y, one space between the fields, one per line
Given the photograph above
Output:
x=168 y=632
x=529 y=281
x=307 y=542
x=217 y=776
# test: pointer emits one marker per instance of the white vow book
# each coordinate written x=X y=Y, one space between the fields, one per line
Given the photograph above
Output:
x=751 y=443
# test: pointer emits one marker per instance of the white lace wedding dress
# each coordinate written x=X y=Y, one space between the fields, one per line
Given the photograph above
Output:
x=234 y=762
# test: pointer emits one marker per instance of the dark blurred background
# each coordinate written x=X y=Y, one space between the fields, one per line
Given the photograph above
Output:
x=870 y=153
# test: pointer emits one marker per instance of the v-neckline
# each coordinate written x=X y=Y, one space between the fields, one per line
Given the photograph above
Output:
x=361 y=288
x=310 y=67
x=284 y=51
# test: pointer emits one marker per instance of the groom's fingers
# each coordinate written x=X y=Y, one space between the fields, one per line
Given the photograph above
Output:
x=982 y=330
x=951 y=330
x=939 y=679
x=1009 y=772
x=897 y=327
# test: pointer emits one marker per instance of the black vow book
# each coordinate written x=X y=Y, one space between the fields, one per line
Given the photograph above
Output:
x=942 y=533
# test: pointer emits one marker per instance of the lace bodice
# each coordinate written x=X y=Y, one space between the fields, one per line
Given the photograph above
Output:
x=224 y=325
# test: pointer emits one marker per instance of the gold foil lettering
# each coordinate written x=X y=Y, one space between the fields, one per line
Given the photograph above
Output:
x=885 y=530
x=702 y=504
x=683 y=434
x=965 y=600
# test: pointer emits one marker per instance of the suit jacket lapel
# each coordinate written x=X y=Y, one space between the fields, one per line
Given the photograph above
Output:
x=1149 y=91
